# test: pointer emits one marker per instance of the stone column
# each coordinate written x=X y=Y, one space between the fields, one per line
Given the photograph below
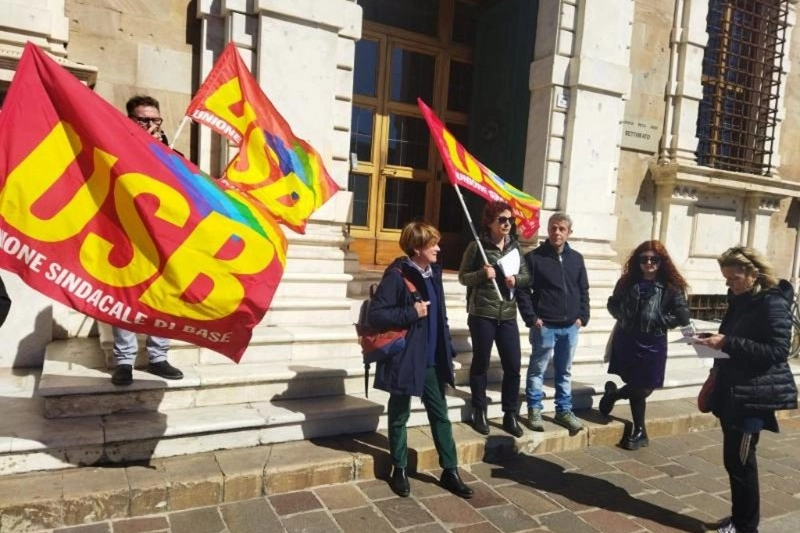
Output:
x=302 y=54
x=579 y=81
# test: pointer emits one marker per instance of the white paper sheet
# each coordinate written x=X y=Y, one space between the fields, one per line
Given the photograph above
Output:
x=510 y=264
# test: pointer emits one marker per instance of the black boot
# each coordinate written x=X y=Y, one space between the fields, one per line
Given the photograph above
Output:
x=638 y=438
x=510 y=424
x=452 y=481
x=479 y=421
x=399 y=482
x=609 y=399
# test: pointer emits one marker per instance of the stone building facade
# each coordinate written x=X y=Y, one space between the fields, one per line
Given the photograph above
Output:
x=603 y=123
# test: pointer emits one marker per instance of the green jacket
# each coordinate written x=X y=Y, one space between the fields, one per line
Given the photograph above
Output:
x=482 y=299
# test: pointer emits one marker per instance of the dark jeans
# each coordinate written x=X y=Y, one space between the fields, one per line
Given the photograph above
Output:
x=739 y=457
x=436 y=408
x=505 y=333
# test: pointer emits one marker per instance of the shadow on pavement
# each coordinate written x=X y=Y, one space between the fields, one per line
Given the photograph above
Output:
x=550 y=477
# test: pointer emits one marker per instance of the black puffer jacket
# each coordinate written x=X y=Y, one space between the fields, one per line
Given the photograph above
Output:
x=758 y=332
x=654 y=311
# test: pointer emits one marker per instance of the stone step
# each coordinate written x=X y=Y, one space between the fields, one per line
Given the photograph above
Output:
x=75 y=380
x=28 y=441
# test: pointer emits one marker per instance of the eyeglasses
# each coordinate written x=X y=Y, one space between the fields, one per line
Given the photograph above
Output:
x=646 y=259
x=147 y=120
x=505 y=220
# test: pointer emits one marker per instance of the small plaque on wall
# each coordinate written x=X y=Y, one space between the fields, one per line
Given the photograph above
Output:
x=640 y=134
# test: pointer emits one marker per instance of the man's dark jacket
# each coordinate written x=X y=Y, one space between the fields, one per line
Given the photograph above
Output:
x=5 y=303
x=392 y=307
x=559 y=287
x=758 y=335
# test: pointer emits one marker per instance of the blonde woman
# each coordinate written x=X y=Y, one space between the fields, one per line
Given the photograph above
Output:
x=755 y=380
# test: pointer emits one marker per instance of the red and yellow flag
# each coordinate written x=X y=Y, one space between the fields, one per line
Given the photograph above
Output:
x=278 y=169
x=98 y=215
x=466 y=171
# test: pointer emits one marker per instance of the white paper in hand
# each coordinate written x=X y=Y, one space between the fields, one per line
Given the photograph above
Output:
x=510 y=265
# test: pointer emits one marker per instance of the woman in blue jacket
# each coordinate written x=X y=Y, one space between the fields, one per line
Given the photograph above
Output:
x=426 y=365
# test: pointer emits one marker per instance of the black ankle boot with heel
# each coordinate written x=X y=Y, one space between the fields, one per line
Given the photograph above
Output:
x=480 y=422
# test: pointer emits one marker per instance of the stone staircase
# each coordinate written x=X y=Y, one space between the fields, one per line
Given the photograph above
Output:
x=301 y=380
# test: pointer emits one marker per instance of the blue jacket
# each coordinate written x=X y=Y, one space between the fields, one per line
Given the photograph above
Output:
x=393 y=307
x=559 y=287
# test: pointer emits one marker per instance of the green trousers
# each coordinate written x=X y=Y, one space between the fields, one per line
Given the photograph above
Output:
x=436 y=408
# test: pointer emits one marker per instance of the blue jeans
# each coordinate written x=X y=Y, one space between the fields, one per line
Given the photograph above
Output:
x=126 y=346
x=558 y=344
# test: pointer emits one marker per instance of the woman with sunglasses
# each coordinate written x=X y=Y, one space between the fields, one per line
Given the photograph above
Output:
x=493 y=318
x=648 y=299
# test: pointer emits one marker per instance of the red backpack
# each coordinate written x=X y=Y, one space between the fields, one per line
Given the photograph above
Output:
x=380 y=345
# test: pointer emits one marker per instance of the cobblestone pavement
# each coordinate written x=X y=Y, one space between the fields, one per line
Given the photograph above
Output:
x=676 y=484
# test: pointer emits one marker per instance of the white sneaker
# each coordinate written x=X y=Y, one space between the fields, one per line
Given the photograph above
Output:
x=726 y=526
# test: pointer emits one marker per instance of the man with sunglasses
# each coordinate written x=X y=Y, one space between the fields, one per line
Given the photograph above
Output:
x=554 y=308
x=145 y=111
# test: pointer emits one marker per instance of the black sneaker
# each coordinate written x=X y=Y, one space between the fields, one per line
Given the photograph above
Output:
x=165 y=370
x=123 y=375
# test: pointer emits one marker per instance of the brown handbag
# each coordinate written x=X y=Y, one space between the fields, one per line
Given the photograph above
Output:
x=705 y=396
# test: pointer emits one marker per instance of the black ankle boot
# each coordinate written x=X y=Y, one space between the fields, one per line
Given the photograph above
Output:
x=609 y=399
x=452 y=481
x=399 y=482
x=510 y=424
x=638 y=439
x=479 y=421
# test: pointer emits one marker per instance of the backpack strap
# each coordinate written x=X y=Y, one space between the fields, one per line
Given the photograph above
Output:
x=410 y=286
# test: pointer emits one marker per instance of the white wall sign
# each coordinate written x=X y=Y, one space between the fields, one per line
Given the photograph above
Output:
x=640 y=134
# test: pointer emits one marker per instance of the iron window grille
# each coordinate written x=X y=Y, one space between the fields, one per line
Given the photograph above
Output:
x=741 y=79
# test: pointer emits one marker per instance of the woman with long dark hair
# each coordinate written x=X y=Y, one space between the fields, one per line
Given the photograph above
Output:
x=649 y=299
x=755 y=379
x=493 y=317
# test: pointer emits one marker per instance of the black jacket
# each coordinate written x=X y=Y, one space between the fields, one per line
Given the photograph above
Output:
x=5 y=302
x=393 y=307
x=559 y=287
x=758 y=333
x=655 y=311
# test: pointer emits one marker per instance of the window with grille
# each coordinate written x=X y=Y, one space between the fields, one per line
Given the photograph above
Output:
x=741 y=81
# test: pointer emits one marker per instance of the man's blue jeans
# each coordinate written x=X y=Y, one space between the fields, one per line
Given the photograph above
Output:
x=558 y=344
x=126 y=346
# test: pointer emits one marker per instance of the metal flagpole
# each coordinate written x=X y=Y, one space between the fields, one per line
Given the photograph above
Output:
x=477 y=238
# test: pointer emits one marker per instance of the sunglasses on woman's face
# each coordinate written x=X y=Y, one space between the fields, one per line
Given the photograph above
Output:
x=505 y=220
x=649 y=259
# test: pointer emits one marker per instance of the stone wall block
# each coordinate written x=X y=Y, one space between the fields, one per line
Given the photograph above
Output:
x=148 y=489
x=92 y=495
x=117 y=60
x=194 y=481
x=30 y=502
x=164 y=69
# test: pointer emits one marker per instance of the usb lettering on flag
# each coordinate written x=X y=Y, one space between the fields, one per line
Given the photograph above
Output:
x=98 y=215
x=278 y=169
x=466 y=171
